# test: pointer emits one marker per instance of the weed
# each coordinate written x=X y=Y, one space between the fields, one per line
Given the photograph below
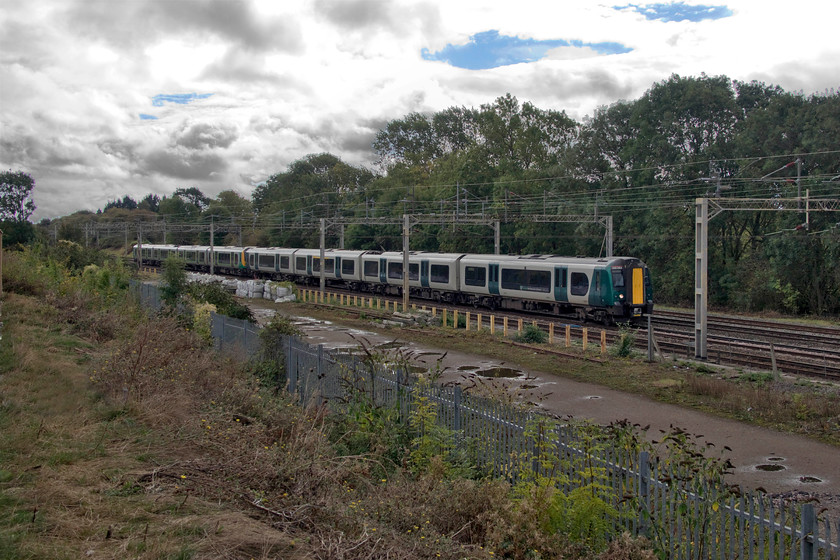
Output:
x=625 y=342
x=532 y=334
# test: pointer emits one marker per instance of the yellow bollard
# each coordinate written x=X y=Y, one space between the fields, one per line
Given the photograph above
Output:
x=551 y=333
x=443 y=316
x=519 y=325
x=468 y=320
x=585 y=338
x=505 y=326
x=603 y=342
x=455 y=319
x=568 y=335
x=492 y=324
x=478 y=322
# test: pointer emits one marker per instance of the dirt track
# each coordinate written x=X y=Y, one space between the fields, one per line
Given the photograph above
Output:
x=811 y=468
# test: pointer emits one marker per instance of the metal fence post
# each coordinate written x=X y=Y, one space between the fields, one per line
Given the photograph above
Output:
x=456 y=416
x=291 y=367
x=321 y=373
x=644 y=493
x=807 y=547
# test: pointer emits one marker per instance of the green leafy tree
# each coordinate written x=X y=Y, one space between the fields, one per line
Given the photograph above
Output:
x=193 y=196
x=16 y=203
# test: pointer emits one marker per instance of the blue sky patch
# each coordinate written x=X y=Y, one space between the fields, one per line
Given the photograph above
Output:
x=179 y=98
x=488 y=49
x=679 y=11
x=145 y=117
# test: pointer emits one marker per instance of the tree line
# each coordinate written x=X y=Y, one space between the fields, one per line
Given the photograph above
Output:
x=641 y=161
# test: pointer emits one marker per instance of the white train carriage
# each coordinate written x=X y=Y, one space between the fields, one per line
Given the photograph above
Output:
x=196 y=257
x=348 y=267
x=154 y=254
x=274 y=262
x=229 y=260
x=439 y=275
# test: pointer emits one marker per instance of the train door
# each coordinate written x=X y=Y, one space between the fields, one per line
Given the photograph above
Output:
x=383 y=271
x=561 y=283
x=337 y=267
x=309 y=265
x=598 y=290
x=638 y=284
x=493 y=280
x=424 y=274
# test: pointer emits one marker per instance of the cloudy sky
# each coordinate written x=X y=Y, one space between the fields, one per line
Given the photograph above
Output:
x=103 y=98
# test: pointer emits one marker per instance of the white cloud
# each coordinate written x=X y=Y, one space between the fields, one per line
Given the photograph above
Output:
x=289 y=79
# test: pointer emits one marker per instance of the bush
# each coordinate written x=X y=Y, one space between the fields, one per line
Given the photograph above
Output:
x=625 y=342
x=174 y=279
x=223 y=300
x=532 y=334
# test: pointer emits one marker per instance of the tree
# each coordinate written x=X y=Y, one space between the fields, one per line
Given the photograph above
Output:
x=16 y=196
x=150 y=202
x=194 y=196
x=127 y=202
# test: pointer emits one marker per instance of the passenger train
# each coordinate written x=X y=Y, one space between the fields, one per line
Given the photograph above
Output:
x=613 y=289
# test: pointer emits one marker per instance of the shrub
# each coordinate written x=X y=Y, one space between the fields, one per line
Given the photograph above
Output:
x=625 y=342
x=532 y=334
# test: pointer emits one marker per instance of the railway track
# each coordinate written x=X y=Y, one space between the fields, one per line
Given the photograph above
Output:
x=756 y=344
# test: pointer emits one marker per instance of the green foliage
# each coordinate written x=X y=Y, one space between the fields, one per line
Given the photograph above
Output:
x=583 y=514
x=532 y=334
x=432 y=442
x=173 y=280
x=202 y=321
x=625 y=341
x=213 y=293
x=270 y=366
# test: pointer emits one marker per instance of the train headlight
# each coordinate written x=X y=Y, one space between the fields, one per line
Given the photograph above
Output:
x=620 y=296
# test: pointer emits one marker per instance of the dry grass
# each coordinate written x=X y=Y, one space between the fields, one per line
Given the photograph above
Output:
x=137 y=441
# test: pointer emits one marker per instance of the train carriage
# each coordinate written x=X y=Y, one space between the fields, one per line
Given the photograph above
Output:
x=603 y=289
x=230 y=260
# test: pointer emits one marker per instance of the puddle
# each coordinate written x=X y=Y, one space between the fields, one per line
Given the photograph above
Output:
x=809 y=479
x=770 y=468
x=775 y=458
x=467 y=368
x=592 y=397
x=498 y=372
x=390 y=345
x=528 y=386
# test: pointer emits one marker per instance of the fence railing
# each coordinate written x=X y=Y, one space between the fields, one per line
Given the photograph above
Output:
x=686 y=516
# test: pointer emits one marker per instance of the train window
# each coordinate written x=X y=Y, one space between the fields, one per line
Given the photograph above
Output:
x=267 y=261
x=395 y=270
x=224 y=258
x=190 y=256
x=413 y=271
x=617 y=277
x=284 y=262
x=316 y=264
x=371 y=268
x=348 y=267
x=475 y=275
x=440 y=273
x=202 y=258
x=537 y=281
x=329 y=266
x=580 y=284
x=511 y=278
x=251 y=260
x=300 y=263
